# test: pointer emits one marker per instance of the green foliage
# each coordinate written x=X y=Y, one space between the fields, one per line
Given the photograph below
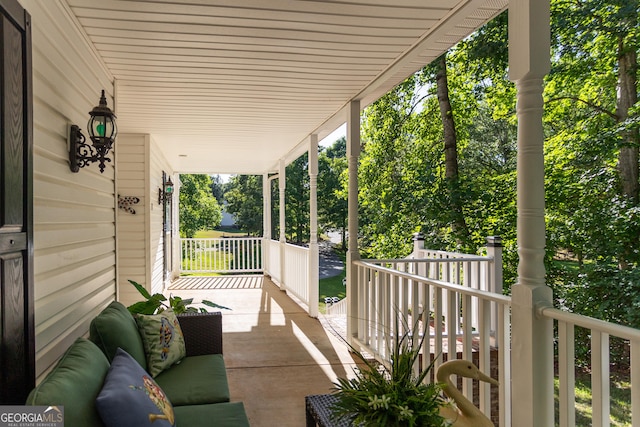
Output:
x=156 y=303
x=297 y=200
x=391 y=396
x=244 y=201
x=199 y=210
x=332 y=188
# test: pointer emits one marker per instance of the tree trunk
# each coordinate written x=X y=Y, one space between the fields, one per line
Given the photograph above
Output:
x=458 y=224
x=628 y=158
x=628 y=165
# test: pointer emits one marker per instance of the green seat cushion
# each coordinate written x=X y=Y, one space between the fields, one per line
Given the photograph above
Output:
x=219 y=415
x=115 y=327
x=74 y=383
x=196 y=380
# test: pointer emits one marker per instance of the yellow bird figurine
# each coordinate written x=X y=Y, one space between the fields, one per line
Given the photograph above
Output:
x=467 y=414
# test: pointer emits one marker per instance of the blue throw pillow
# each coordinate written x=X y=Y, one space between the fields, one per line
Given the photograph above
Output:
x=131 y=398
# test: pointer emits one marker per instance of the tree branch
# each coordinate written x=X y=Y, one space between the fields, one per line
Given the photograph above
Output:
x=588 y=103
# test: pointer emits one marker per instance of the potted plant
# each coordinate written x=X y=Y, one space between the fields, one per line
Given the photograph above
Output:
x=156 y=303
x=391 y=394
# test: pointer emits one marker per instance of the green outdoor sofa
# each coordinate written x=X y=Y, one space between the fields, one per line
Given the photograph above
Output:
x=196 y=387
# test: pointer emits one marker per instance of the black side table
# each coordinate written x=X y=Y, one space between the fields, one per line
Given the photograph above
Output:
x=319 y=413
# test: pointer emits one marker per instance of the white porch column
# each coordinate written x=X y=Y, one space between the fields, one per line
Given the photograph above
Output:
x=282 y=184
x=532 y=336
x=314 y=262
x=266 y=221
x=353 y=253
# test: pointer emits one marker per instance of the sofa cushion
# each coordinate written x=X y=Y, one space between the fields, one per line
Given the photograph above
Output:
x=130 y=397
x=115 y=327
x=196 y=380
x=74 y=383
x=219 y=415
x=162 y=339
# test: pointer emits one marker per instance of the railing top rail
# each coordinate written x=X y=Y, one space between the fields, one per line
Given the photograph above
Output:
x=471 y=258
x=450 y=254
x=221 y=238
x=296 y=247
x=498 y=298
x=587 y=322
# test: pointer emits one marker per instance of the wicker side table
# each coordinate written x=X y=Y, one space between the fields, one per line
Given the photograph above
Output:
x=319 y=413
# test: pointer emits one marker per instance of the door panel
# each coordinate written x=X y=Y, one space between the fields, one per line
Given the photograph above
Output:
x=17 y=341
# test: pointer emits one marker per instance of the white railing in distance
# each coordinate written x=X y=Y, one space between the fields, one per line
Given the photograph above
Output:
x=600 y=332
x=221 y=255
x=338 y=308
x=273 y=268
x=297 y=271
x=457 y=318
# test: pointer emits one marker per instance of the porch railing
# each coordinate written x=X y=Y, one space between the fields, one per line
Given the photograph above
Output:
x=273 y=267
x=600 y=333
x=456 y=317
x=221 y=255
x=297 y=271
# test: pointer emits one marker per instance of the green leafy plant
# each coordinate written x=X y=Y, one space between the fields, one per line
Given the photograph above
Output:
x=156 y=303
x=393 y=395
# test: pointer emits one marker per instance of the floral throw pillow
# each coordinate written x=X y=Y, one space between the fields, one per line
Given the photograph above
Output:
x=131 y=398
x=163 y=340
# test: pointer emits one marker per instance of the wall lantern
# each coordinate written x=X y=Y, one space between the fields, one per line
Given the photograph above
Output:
x=167 y=190
x=102 y=131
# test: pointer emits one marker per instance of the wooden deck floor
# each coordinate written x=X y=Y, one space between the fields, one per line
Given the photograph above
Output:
x=275 y=353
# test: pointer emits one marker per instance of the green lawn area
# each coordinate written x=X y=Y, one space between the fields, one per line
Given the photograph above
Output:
x=332 y=286
x=221 y=232
x=620 y=399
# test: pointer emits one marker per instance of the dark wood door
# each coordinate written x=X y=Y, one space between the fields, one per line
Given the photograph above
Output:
x=17 y=342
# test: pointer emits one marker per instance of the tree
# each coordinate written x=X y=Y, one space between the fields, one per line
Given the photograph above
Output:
x=244 y=202
x=451 y=174
x=332 y=185
x=297 y=199
x=592 y=91
x=218 y=188
x=199 y=210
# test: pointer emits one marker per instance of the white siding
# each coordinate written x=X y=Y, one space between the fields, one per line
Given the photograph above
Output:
x=133 y=150
x=157 y=164
x=140 y=241
x=74 y=214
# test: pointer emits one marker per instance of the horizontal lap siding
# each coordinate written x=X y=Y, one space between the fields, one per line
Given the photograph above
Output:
x=132 y=229
x=74 y=214
x=157 y=165
x=140 y=252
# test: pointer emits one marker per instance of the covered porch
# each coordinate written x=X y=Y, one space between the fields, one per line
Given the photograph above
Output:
x=274 y=352
x=246 y=87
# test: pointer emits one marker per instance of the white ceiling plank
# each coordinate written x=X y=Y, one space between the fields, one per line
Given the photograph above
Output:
x=232 y=86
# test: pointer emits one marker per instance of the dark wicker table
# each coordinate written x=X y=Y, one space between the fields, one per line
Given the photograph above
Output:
x=318 y=412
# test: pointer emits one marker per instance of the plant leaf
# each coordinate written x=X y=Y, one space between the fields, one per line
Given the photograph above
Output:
x=214 y=305
x=140 y=289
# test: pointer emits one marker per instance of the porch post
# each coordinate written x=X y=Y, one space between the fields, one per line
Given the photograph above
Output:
x=266 y=222
x=353 y=253
x=282 y=183
x=314 y=265
x=532 y=336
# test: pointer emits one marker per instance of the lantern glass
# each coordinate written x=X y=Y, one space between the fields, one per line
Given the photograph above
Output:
x=102 y=126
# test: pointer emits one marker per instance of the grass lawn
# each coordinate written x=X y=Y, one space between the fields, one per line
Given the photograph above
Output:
x=620 y=400
x=332 y=286
x=221 y=232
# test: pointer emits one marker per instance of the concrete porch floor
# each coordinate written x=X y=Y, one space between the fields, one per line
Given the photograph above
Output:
x=274 y=352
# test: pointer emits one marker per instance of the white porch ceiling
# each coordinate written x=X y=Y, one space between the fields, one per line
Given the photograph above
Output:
x=232 y=86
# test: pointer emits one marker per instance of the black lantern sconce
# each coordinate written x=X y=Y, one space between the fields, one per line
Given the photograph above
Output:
x=165 y=193
x=102 y=131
